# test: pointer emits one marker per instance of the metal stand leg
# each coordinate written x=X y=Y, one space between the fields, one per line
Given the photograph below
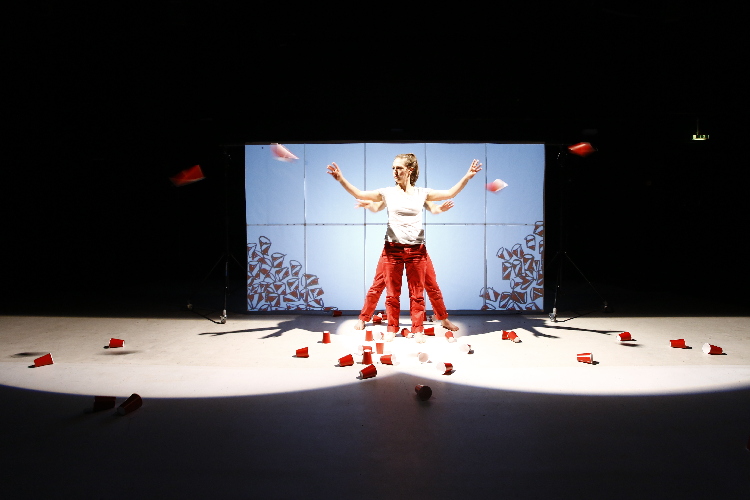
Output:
x=553 y=314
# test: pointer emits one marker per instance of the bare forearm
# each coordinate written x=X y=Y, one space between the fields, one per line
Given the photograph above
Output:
x=447 y=194
x=351 y=189
x=336 y=173
x=452 y=192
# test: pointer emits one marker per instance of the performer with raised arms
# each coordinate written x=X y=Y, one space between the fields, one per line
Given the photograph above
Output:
x=404 y=239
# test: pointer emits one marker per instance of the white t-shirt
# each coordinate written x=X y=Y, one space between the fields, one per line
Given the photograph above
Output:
x=404 y=214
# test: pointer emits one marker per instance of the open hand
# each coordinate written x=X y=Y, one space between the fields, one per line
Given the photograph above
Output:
x=473 y=169
x=446 y=206
x=335 y=171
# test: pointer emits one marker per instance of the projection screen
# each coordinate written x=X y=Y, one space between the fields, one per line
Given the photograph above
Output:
x=310 y=249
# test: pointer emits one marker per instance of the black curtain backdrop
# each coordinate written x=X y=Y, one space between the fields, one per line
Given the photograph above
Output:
x=107 y=102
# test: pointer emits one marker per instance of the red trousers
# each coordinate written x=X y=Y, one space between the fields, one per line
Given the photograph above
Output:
x=397 y=258
x=378 y=285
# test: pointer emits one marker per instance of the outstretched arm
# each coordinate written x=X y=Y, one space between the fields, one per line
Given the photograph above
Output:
x=372 y=206
x=335 y=172
x=452 y=192
x=438 y=209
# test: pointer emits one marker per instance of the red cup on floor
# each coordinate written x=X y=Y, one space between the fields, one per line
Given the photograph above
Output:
x=624 y=336
x=326 y=337
x=423 y=392
x=347 y=360
x=423 y=357
x=712 y=349
x=131 y=404
x=679 y=343
x=368 y=336
x=103 y=403
x=388 y=359
x=430 y=331
x=405 y=332
x=512 y=336
x=379 y=347
x=505 y=335
x=368 y=371
x=116 y=343
x=449 y=336
x=336 y=314
x=43 y=360
x=377 y=319
x=367 y=358
x=302 y=353
x=445 y=368
x=586 y=357
x=465 y=348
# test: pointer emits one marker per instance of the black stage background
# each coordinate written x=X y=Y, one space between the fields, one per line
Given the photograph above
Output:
x=109 y=100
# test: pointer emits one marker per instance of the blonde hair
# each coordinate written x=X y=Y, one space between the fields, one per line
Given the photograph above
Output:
x=411 y=163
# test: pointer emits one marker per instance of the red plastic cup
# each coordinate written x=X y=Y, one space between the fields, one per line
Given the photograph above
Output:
x=347 y=360
x=466 y=348
x=712 y=349
x=449 y=336
x=388 y=359
x=581 y=149
x=188 y=176
x=586 y=357
x=131 y=404
x=423 y=357
x=103 y=403
x=281 y=153
x=496 y=185
x=624 y=336
x=302 y=353
x=368 y=336
x=367 y=358
x=326 y=337
x=405 y=332
x=116 y=343
x=505 y=335
x=368 y=371
x=423 y=392
x=377 y=319
x=379 y=347
x=679 y=343
x=43 y=360
x=445 y=368
x=430 y=331
x=512 y=336
x=336 y=314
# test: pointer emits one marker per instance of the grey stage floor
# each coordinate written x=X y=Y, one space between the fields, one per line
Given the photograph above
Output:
x=229 y=411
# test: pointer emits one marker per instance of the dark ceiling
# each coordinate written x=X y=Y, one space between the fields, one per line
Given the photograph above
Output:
x=246 y=72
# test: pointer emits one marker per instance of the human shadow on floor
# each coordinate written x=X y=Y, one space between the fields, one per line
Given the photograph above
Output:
x=283 y=327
